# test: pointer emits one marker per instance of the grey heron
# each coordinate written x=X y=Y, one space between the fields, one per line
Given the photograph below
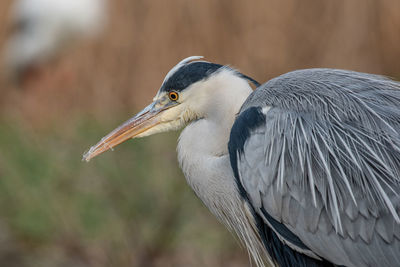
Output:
x=43 y=28
x=305 y=169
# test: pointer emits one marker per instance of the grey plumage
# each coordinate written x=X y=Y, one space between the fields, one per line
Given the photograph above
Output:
x=326 y=163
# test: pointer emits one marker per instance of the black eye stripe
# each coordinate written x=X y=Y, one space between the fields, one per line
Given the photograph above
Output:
x=188 y=75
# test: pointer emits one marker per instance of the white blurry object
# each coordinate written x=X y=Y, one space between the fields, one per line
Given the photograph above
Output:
x=43 y=28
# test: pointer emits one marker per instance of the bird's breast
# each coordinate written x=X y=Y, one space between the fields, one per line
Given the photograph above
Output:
x=211 y=178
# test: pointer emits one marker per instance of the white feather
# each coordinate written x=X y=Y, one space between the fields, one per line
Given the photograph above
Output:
x=44 y=27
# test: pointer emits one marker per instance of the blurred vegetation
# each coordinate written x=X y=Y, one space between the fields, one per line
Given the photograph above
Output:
x=132 y=207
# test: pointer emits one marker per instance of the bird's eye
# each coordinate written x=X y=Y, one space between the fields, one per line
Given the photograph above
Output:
x=173 y=96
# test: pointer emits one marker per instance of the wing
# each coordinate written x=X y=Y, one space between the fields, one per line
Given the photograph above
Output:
x=317 y=154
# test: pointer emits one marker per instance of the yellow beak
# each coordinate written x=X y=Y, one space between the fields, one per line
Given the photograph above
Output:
x=140 y=123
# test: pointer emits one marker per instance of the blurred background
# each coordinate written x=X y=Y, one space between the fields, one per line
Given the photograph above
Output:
x=132 y=207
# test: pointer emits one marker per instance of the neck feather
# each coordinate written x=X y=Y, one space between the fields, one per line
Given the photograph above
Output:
x=217 y=104
x=203 y=144
x=204 y=159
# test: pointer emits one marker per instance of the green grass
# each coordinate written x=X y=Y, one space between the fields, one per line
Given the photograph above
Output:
x=129 y=207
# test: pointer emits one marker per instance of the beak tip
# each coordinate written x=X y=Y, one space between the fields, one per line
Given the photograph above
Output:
x=87 y=156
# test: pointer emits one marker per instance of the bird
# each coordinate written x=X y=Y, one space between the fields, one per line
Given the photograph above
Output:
x=44 y=28
x=304 y=169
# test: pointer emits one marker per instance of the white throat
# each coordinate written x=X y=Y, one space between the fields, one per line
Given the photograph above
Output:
x=217 y=102
x=204 y=159
x=203 y=144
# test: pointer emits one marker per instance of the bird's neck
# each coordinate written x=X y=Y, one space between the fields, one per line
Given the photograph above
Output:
x=209 y=135
x=203 y=144
x=204 y=159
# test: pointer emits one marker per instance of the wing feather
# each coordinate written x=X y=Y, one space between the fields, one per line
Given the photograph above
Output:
x=329 y=164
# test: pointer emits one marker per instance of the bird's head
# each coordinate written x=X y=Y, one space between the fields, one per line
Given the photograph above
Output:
x=188 y=92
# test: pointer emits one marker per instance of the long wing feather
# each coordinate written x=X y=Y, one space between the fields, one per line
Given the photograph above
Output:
x=330 y=142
